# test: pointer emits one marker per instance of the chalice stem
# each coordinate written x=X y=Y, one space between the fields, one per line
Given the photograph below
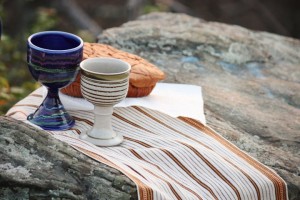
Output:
x=102 y=128
x=52 y=99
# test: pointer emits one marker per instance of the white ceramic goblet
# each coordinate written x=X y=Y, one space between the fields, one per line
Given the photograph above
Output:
x=104 y=83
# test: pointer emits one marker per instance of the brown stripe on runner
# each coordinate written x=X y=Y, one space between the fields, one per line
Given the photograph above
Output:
x=248 y=177
x=130 y=122
x=137 y=141
x=213 y=168
x=36 y=95
x=26 y=105
x=82 y=126
x=186 y=188
x=188 y=172
x=86 y=113
x=150 y=193
x=166 y=125
x=136 y=171
x=77 y=130
x=169 y=184
x=84 y=120
x=18 y=111
x=279 y=185
x=147 y=190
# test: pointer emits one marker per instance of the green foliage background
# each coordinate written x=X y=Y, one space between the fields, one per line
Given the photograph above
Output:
x=20 y=19
x=15 y=79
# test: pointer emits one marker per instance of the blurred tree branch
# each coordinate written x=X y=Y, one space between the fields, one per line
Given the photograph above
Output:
x=78 y=16
x=268 y=16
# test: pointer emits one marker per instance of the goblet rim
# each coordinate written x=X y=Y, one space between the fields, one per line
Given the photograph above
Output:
x=54 y=51
x=105 y=58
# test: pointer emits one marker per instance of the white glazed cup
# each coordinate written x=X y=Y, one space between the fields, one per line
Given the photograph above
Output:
x=104 y=83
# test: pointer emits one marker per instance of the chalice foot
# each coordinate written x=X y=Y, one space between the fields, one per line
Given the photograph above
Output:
x=51 y=114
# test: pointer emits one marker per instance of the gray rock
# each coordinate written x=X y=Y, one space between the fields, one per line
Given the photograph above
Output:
x=34 y=165
x=250 y=80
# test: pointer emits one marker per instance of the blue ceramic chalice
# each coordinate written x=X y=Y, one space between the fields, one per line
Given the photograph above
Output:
x=53 y=59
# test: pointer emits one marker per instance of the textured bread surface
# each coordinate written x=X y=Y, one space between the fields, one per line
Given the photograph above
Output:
x=143 y=74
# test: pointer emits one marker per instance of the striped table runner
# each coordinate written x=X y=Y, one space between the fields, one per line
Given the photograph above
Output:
x=170 y=158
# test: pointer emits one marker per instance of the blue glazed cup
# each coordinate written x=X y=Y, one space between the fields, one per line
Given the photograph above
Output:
x=53 y=59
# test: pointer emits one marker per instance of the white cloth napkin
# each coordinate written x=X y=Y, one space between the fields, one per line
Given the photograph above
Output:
x=172 y=99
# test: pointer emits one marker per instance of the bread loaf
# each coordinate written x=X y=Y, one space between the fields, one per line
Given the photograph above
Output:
x=143 y=75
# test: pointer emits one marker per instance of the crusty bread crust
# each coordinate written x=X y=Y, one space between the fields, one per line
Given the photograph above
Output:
x=139 y=92
x=143 y=75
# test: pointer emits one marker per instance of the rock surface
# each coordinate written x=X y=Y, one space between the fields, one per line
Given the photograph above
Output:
x=34 y=165
x=250 y=81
